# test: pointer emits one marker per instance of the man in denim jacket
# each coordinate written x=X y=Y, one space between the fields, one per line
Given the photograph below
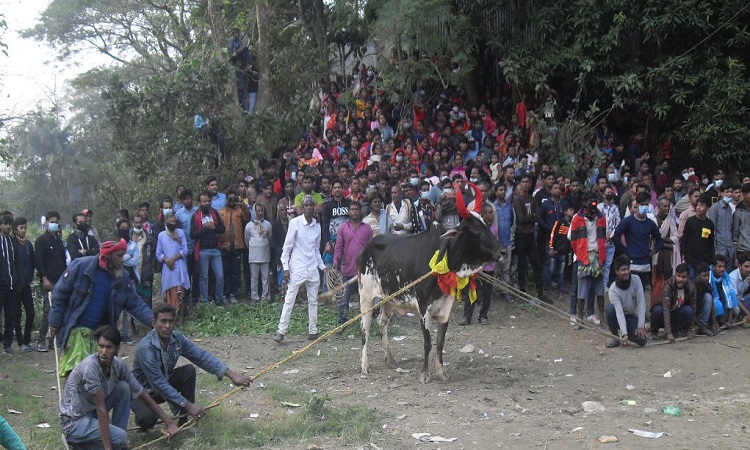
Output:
x=92 y=292
x=154 y=367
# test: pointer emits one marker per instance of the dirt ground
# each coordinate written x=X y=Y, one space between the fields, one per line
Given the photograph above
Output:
x=522 y=386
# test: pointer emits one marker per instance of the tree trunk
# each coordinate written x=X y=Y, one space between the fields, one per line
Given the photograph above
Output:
x=264 y=55
x=219 y=40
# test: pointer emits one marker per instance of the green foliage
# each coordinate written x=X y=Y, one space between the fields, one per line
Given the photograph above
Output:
x=259 y=319
x=422 y=43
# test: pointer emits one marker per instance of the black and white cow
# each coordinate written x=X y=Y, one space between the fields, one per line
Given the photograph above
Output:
x=389 y=262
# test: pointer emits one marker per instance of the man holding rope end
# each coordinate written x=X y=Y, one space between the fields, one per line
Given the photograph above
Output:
x=154 y=367
x=91 y=293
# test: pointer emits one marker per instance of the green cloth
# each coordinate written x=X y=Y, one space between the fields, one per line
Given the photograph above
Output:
x=80 y=345
x=593 y=270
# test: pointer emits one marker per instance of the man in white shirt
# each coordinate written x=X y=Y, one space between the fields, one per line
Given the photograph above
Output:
x=301 y=248
x=398 y=212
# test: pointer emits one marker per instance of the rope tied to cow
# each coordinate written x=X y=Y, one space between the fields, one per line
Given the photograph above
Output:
x=557 y=312
x=295 y=354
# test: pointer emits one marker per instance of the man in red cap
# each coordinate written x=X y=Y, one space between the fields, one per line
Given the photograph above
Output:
x=93 y=291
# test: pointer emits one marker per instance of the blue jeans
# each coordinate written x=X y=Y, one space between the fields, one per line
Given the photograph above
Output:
x=556 y=268
x=681 y=319
x=87 y=428
x=631 y=323
x=212 y=257
x=705 y=305
x=344 y=300
x=608 y=264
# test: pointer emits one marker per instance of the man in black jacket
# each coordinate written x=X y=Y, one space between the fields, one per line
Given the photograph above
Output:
x=49 y=259
x=527 y=215
x=25 y=263
x=80 y=243
x=8 y=279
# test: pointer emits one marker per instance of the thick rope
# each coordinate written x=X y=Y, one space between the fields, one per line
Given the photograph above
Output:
x=296 y=354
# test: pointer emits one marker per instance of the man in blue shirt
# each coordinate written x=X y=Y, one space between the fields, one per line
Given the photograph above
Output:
x=154 y=367
x=638 y=230
x=505 y=221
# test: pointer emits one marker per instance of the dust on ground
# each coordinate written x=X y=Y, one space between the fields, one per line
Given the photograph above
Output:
x=522 y=386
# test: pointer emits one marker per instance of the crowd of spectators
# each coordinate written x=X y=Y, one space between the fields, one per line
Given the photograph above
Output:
x=401 y=164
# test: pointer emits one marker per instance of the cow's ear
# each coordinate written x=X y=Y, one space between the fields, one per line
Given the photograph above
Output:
x=449 y=234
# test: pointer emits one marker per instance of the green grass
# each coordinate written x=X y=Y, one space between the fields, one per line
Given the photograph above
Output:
x=226 y=427
x=260 y=319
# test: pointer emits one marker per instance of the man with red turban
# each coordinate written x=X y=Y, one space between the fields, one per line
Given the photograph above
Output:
x=92 y=292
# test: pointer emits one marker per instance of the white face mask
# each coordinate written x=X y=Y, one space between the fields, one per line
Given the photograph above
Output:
x=718 y=183
x=686 y=175
x=425 y=194
x=413 y=181
x=448 y=190
x=473 y=180
x=612 y=177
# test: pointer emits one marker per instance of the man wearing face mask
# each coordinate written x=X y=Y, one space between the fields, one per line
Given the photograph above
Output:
x=714 y=189
x=639 y=231
x=79 y=242
x=626 y=313
x=167 y=207
x=611 y=212
x=423 y=211
x=721 y=215
x=49 y=259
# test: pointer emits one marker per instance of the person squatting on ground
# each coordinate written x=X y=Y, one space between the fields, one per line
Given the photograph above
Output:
x=154 y=367
x=675 y=311
x=301 y=260
x=626 y=312
x=100 y=383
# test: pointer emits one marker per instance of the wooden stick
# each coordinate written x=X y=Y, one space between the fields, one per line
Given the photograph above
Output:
x=57 y=376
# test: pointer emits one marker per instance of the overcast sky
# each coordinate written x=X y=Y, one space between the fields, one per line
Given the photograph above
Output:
x=31 y=75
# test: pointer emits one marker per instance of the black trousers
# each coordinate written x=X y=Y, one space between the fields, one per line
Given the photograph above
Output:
x=25 y=300
x=528 y=254
x=484 y=298
x=194 y=272
x=183 y=380
x=11 y=307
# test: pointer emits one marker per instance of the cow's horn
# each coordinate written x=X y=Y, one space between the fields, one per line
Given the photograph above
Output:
x=463 y=211
x=477 y=198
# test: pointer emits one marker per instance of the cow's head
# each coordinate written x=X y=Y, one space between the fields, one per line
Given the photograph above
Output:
x=472 y=243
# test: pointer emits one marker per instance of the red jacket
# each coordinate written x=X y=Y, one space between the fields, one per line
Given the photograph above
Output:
x=580 y=242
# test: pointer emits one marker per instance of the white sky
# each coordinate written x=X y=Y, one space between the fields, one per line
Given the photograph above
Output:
x=31 y=75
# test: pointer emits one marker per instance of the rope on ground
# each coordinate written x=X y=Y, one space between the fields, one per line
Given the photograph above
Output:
x=296 y=354
x=557 y=312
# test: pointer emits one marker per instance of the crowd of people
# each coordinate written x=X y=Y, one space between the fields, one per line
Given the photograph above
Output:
x=622 y=241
